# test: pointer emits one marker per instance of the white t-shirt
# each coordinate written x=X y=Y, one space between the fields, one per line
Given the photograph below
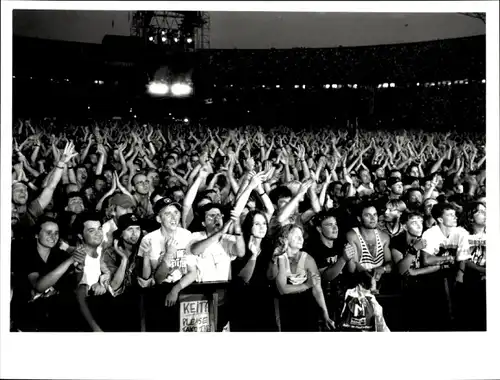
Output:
x=153 y=247
x=362 y=190
x=457 y=244
x=91 y=271
x=214 y=264
x=477 y=243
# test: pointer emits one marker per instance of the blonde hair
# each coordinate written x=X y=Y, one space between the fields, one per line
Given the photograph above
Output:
x=398 y=204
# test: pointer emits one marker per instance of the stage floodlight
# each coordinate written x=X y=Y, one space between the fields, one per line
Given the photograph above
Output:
x=176 y=39
x=151 y=38
x=158 y=88
x=393 y=85
x=303 y=86
x=164 y=39
x=327 y=86
x=296 y=86
x=189 y=40
x=483 y=81
x=181 y=89
x=418 y=84
x=354 y=86
x=186 y=120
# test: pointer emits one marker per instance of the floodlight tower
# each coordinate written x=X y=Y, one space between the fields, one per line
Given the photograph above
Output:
x=182 y=31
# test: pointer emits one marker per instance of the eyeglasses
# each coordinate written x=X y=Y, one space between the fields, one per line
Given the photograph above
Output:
x=214 y=216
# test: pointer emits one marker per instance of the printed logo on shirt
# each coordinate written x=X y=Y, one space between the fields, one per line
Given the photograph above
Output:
x=479 y=254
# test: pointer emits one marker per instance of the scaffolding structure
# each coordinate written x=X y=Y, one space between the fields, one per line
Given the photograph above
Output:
x=182 y=31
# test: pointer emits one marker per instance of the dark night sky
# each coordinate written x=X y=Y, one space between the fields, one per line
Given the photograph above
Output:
x=254 y=30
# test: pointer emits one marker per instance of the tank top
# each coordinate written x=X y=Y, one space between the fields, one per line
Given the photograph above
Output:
x=300 y=275
x=367 y=261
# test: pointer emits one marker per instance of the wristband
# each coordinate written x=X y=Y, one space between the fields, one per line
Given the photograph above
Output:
x=60 y=167
x=237 y=234
x=262 y=194
x=461 y=270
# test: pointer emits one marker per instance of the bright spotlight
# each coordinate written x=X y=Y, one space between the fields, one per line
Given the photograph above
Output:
x=385 y=85
x=418 y=84
x=176 y=39
x=163 y=32
x=303 y=86
x=186 y=120
x=151 y=38
x=354 y=86
x=157 y=88
x=327 y=86
x=296 y=86
x=277 y=86
x=164 y=39
x=189 y=40
x=181 y=89
x=483 y=81
x=393 y=85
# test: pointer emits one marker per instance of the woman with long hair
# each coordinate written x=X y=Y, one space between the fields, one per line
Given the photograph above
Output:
x=301 y=300
x=252 y=302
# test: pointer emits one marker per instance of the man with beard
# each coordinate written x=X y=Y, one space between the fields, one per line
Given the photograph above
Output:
x=372 y=254
x=215 y=250
x=24 y=215
x=447 y=245
x=119 y=204
x=45 y=268
x=406 y=254
x=90 y=280
x=120 y=261
x=166 y=261
x=331 y=257
x=414 y=198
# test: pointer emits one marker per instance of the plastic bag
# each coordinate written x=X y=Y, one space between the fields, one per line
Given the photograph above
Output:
x=362 y=312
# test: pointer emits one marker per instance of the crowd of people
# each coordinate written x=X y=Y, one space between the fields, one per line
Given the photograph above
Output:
x=113 y=221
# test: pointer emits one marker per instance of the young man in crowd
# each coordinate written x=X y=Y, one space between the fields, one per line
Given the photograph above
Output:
x=121 y=264
x=92 y=281
x=447 y=245
x=215 y=249
x=167 y=265
x=406 y=250
x=331 y=256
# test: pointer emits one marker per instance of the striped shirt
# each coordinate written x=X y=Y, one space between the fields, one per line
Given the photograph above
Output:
x=367 y=260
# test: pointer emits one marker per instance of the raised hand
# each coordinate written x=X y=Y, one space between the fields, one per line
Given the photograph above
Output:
x=68 y=152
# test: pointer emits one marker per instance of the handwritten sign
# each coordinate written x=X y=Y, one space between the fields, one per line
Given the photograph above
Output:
x=194 y=316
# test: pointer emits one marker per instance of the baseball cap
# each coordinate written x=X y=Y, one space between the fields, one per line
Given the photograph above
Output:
x=125 y=221
x=164 y=202
x=392 y=181
x=122 y=200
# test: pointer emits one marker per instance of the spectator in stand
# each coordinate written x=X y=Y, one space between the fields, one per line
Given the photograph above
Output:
x=301 y=303
x=472 y=310
x=447 y=245
x=123 y=302
x=251 y=297
x=373 y=256
x=167 y=264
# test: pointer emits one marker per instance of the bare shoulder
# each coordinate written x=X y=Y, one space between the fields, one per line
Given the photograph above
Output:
x=384 y=236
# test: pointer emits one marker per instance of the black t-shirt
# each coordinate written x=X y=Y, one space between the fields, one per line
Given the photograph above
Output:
x=323 y=255
x=400 y=243
x=34 y=263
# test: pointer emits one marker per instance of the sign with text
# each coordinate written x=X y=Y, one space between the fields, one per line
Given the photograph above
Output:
x=195 y=315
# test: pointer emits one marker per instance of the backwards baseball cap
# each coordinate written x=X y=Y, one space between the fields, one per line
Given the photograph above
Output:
x=122 y=200
x=392 y=181
x=165 y=202
x=125 y=221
